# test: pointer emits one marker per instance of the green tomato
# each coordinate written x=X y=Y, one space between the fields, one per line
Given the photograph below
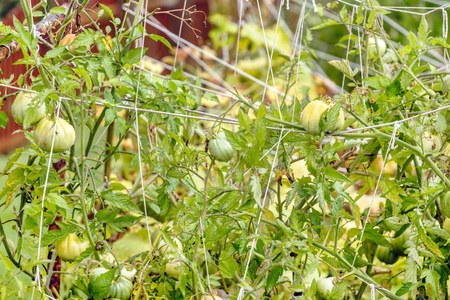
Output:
x=173 y=269
x=70 y=247
x=447 y=225
x=220 y=148
x=64 y=138
x=324 y=287
x=387 y=255
x=312 y=113
x=375 y=51
x=445 y=205
x=128 y=272
x=398 y=244
x=20 y=105
x=121 y=289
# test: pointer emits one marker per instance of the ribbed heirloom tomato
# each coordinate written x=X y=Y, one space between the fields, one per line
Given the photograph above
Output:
x=312 y=113
x=70 y=247
x=398 y=244
x=64 y=135
x=220 y=148
x=120 y=289
x=20 y=105
x=387 y=255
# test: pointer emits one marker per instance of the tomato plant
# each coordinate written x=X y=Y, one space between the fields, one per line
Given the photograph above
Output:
x=258 y=180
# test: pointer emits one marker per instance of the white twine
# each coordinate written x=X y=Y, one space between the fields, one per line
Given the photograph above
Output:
x=38 y=271
x=444 y=24
x=137 y=127
x=390 y=147
x=314 y=5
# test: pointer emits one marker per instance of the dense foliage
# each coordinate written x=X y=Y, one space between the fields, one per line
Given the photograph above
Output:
x=151 y=188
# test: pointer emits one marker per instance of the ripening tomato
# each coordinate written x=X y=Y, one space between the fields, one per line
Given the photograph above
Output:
x=67 y=40
x=312 y=113
x=64 y=138
x=70 y=247
x=20 y=105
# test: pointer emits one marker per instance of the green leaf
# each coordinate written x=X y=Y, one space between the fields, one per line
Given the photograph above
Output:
x=333 y=174
x=132 y=56
x=110 y=116
x=255 y=184
x=227 y=264
x=57 y=10
x=440 y=123
x=274 y=275
x=326 y=23
x=344 y=67
x=54 y=52
x=423 y=30
x=404 y=289
x=9 y=266
x=53 y=236
x=396 y=223
x=99 y=287
x=119 y=200
x=108 y=10
x=3 y=119
x=158 y=38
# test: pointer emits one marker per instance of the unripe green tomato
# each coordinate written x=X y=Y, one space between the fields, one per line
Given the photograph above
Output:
x=121 y=289
x=375 y=52
x=446 y=83
x=64 y=138
x=445 y=205
x=128 y=272
x=70 y=247
x=398 y=244
x=312 y=113
x=220 y=148
x=387 y=255
x=20 y=105
x=389 y=57
x=447 y=225
x=325 y=286
x=430 y=142
x=173 y=269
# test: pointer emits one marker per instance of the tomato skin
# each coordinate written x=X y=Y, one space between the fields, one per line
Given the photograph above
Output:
x=20 y=105
x=447 y=225
x=43 y=135
x=373 y=50
x=128 y=272
x=220 y=148
x=312 y=113
x=70 y=247
x=173 y=269
x=445 y=205
x=398 y=244
x=121 y=289
x=325 y=286
x=387 y=255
